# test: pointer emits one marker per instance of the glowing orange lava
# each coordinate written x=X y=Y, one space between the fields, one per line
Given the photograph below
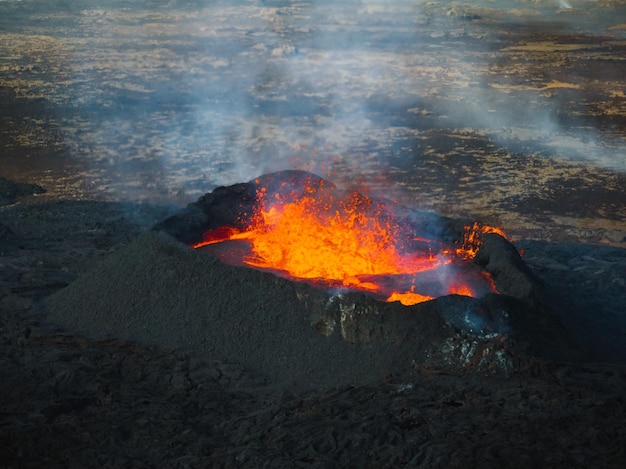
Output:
x=347 y=241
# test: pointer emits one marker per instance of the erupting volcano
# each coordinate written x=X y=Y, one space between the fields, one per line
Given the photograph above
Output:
x=303 y=227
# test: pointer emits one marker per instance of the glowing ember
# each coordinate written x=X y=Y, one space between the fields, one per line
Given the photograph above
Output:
x=471 y=239
x=348 y=241
x=410 y=298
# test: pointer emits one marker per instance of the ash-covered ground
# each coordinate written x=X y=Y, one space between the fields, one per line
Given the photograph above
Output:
x=113 y=117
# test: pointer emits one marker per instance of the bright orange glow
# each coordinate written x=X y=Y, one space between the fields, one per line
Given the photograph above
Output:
x=409 y=298
x=223 y=233
x=460 y=290
x=311 y=239
x=348 y=242
x=471 y=239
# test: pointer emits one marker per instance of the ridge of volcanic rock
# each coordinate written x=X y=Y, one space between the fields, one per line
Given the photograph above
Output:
x=230 y=205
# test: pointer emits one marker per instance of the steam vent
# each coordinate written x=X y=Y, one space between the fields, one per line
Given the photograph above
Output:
x=436 y=292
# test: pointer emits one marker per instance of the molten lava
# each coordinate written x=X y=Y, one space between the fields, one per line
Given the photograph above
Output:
x=350 y=242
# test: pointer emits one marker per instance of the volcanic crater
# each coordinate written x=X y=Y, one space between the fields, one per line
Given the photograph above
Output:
x=318 y=332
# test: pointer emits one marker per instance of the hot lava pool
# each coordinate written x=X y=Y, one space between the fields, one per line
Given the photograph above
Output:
x=302 y=227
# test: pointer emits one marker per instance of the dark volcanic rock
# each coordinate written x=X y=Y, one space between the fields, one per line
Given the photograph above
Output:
x=509 y=272
x=10 y=191
x=158 y=291
x=5 y=232
x=232 y=205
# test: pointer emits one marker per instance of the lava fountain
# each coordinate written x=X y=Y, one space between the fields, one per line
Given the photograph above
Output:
x=304 y=228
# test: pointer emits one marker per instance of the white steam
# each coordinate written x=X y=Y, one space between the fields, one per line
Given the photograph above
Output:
x=213 y=93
